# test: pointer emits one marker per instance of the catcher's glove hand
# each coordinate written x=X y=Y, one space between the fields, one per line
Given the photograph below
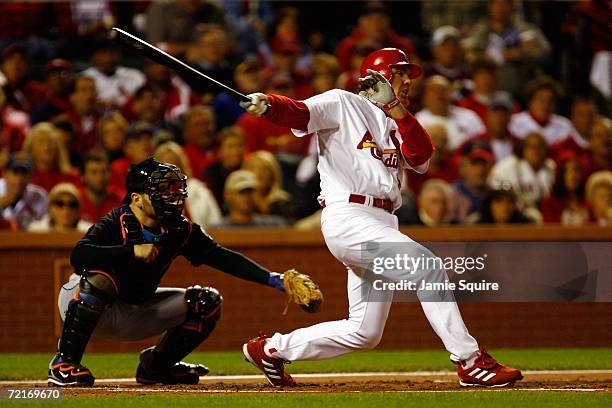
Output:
x=302 y=290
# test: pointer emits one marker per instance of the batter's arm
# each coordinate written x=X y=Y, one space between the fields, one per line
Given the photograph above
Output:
x=416 y=145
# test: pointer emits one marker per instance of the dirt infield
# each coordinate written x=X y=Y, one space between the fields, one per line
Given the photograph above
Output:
x=562 y=381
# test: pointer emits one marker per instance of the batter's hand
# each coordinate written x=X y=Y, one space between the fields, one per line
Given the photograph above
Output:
x=258 y=105
x=377 y=89
x=146 y=252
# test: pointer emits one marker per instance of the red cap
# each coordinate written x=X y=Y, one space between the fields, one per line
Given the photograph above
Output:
x=385 y=59
x=58 y=63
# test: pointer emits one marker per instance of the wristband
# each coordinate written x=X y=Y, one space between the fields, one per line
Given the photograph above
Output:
x=388 y=106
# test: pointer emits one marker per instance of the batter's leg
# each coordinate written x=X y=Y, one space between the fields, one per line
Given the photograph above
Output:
x=362 y=330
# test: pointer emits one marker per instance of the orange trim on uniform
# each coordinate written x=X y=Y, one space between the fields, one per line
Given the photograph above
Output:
x=107 y=275
x=76 y=294
x=124 y=237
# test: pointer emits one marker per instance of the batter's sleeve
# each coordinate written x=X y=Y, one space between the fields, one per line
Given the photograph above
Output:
x=320 y=112
x=415 y=143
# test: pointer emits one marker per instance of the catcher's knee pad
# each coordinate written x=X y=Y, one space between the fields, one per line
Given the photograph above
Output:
x=84 y=311
x=203 y=304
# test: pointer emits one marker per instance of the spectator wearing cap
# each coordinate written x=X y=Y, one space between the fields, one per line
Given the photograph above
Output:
x=374 y=29
x=200 y=206
x=463 y=124
x=543 y=95
x=138 y=147
x=239 y=195
x=172 y=23
x=210 y=55
x=498 y=135
x=518 y=48
x=111 y=130
x=248 y=78
x=583 y=114
x=599 y=197
x=84 y=113
x=58 y=81
x=21 y=202
x=231 y=157
x=442 y=164
x=447 y=56
x=471 y=189
x=435 y=203
x=64 y=212
x=530 y=172
x=51 y=163
x=201 y=146
x=501 y=207
x=485 y=87
x=178 y=97
x=14 y=125
x=114 y=83
x=286 y=48
x=21 y=92
x=566 y=203
x=97 y=198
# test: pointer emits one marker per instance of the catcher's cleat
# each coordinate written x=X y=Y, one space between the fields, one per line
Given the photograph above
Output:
x=179 y=373
x=487 y=372
x=273 y=368
x=62 y=374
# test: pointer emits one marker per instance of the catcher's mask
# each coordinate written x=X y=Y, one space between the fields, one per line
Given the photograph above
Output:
x=166 y=186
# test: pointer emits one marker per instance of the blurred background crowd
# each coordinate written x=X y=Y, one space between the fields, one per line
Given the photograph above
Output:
x=517 y=97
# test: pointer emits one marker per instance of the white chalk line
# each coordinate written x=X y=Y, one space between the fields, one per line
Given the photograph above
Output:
x=395 y=374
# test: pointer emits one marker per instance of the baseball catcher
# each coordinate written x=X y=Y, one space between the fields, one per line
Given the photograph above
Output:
x=118 y=264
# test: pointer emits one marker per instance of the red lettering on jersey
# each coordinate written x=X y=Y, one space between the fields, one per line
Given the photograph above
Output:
x=367 y=142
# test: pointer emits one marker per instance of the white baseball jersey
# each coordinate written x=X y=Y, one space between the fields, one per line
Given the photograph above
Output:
x=556 y=130
x=358 y=148
x=117 y=88
x=461 y=124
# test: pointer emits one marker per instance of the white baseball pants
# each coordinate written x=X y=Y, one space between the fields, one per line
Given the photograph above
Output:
x=345 y=227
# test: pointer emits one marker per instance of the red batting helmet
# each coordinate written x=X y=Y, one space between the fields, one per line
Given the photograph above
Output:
x=385 y=59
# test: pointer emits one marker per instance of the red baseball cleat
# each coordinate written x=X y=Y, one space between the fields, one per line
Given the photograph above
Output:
x=486 y=372
x=273 y=368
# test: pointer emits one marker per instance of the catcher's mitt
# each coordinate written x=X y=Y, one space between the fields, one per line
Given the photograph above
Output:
x=302 y=290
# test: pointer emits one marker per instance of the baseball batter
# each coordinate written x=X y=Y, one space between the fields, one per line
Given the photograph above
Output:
x=114 y=294
x=364 y=142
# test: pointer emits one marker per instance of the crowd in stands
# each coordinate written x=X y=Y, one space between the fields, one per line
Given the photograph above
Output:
x=517 y=138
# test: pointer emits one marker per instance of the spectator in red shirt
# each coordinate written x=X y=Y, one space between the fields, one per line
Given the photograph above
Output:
x=96 y=197
x=138 y=147
x=601 y=145
x=51 y=164
x=566 y=204
x=582 y=115
x=374 y=28
x=498 y=134
x=84 y=113
x=58 y=80
x=14 y=125
x=286 y=49
x=21 y=93
x=442 y=164
x=200 y=144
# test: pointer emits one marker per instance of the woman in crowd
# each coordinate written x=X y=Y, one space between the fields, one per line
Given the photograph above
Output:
x=599 y=197
x=64 y=211
x=49 y=156
x=200 y=206
x=270 y=198
x=566 y=204
x=501 y=207
x=112 y=129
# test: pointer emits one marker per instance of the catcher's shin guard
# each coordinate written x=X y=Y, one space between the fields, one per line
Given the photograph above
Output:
x=82 y=315
x=204 y=310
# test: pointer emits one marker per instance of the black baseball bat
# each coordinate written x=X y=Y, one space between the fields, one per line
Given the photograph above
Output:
x=147 y=50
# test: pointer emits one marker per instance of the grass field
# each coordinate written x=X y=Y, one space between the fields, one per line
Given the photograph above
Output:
x=33 y=367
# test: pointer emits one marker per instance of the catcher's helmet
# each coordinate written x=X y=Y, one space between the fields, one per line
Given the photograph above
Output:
x=385 y=59
x=165 y=184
